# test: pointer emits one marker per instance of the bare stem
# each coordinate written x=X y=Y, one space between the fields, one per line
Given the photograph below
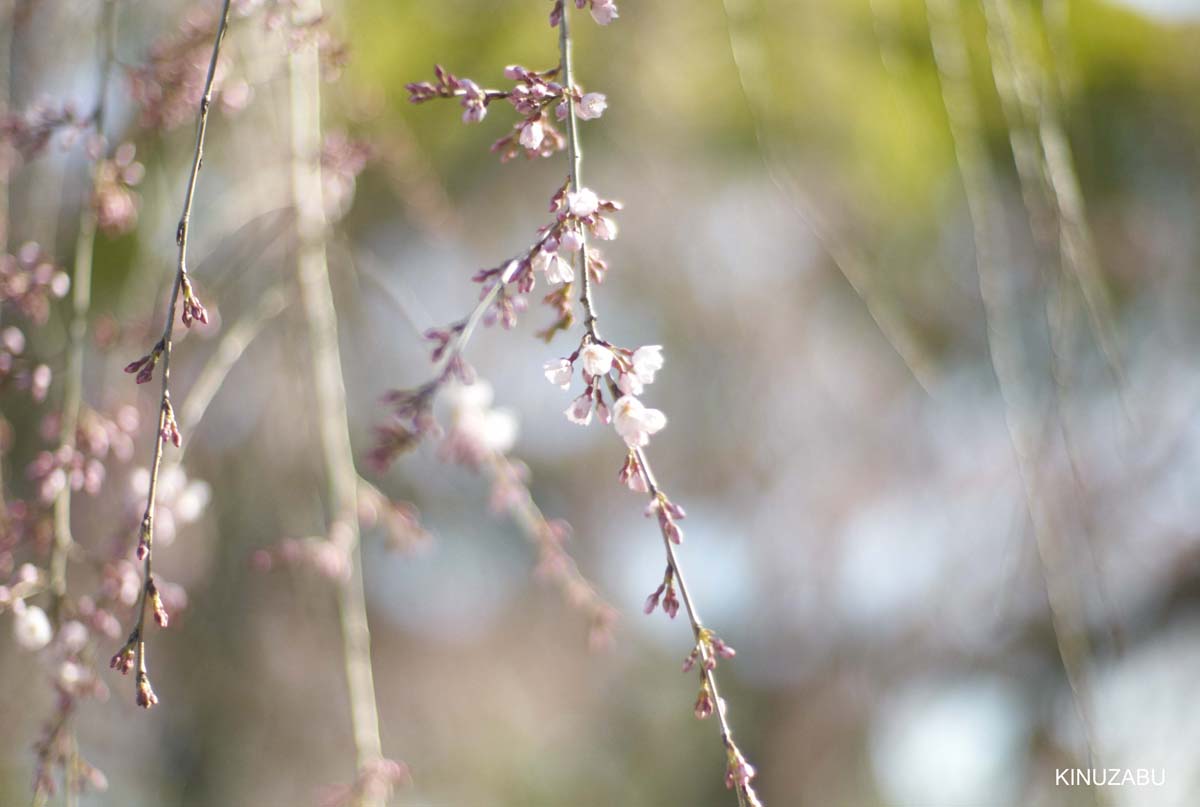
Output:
x=81 y=300
x=316 y=297
x=137 y=637
x=574 y=158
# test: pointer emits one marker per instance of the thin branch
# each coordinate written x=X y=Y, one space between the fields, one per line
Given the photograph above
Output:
x=232 y=344
x=81 y=300
x=1045 y=169
x=575 y=587
x=574 y=158
x=166 y=422
x=1004 y=343
x=316 y=295
x=737 y=764
x=845 y=256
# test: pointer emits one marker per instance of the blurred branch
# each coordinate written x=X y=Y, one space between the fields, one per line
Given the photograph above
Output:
x=846 y=257
x=232 y=344
x=81 y=300
x=1046 y=173
x=1008 y=359
x=316 y=296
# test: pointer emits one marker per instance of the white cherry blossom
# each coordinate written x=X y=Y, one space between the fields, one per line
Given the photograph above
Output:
x=596 y=359
x=635 y=422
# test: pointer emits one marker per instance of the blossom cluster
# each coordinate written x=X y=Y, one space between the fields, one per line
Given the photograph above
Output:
x=538 y=98
x=614 y=377
x=627 y=372
x=82 y=466
x=30 y=280
x=65 y=653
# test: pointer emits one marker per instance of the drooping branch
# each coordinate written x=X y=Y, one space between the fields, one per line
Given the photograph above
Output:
x=739 y=772
x=1027 y=426
x=316 y=297
x=133 y=653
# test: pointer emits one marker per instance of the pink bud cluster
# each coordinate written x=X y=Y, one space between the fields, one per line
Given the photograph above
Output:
x=665 y=592
x=536 y=96
x=708 y=647
x=144 y=367
x=738 y=775
x=193 y=311
x=412 y=420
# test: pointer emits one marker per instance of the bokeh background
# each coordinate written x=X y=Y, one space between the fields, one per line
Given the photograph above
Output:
x=859 y=440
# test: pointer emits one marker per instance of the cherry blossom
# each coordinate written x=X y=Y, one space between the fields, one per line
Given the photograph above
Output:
x=31 y=626
x=646 y=361
x=580 y=410
x=592 y=106
x=473 y=418
x=635 y=422
x=583 y=202
x=603 y=11
x=559 y=373
x=597 y=359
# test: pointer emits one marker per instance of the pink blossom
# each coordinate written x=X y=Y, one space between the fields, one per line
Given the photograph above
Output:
x=571 y=240
x=559 y=373
x=635 y=422
x=596 y=359
x=604 y=228
x=532 y=134
x=582 y=203
x=604 y=11
x=540 y=261
x=580 y=410
x=559 y=271
x=592 y=106
x=31 y=627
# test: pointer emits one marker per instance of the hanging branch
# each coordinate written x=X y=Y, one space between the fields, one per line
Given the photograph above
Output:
x=614 y=376
x=639 y=424
x=376 y=776
x=133 y=653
